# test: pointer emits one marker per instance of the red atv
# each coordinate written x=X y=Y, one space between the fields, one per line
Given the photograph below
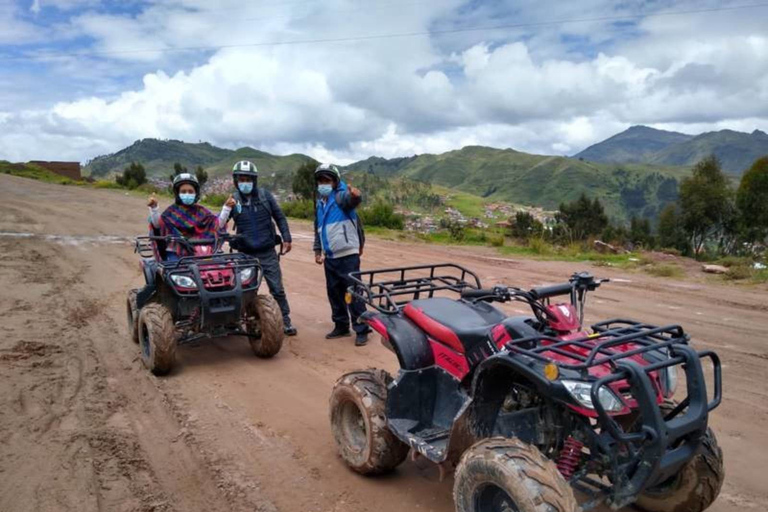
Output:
x=208 y=294
x=529 y=408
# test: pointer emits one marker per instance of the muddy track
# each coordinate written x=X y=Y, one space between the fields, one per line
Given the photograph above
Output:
x=85 y=428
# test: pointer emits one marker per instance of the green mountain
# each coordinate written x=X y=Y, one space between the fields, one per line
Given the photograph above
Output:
x=509 y=175
x=641 y=144
x=158 y=157
x=634 y=145
x=736 y=151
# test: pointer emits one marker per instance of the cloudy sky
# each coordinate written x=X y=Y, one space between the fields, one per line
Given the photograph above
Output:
x=346 y=79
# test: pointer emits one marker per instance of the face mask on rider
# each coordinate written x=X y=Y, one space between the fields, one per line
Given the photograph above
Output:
x=187 y=199
x=245 y=187
x=324 y=190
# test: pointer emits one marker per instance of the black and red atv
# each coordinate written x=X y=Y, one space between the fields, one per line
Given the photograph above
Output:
x=529 y=409
x=208 y=294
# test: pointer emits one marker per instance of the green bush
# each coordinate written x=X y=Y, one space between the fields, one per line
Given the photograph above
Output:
x=106 y=184
x=383 y=215
x=216 y=200
x=302 y=209
x=133 y=176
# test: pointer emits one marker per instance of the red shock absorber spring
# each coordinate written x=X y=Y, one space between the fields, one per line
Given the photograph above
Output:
x=570 y=457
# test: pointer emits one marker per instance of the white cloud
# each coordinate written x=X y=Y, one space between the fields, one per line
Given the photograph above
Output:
x=544 y=93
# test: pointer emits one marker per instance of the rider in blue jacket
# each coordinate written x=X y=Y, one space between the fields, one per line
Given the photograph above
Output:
x=338 y=246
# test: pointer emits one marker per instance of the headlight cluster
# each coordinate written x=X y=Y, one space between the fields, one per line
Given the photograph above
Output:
x=581 y=392
x=183 y=281
x=246 y=274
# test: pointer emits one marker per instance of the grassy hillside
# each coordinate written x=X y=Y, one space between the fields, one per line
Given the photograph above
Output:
x=736 y=151
x=158 y=157
x=634 y=145
x=537 y=180
x=641 y=144
x=33 y=172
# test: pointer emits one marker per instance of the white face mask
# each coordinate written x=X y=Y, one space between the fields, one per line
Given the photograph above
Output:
x=324 y=190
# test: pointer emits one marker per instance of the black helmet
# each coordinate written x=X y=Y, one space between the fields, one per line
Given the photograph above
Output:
x=328 y=170
x=185 y=177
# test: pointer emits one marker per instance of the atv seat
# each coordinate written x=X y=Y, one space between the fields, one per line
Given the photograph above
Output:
x=454 y=323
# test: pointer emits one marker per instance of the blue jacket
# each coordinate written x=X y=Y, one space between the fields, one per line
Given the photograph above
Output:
x=338 y=232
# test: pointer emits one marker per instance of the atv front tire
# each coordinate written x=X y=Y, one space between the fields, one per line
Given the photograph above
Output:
x=359 y=423
x=157 y=338
x=264 y=324
x=132 y=312
x=695 y=487
x=509 y=475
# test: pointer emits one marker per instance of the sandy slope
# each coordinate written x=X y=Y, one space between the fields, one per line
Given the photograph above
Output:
x=84 y=427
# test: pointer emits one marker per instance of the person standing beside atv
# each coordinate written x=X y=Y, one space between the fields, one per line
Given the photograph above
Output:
x=185 y=218
x=339 y=242
x=255 y=213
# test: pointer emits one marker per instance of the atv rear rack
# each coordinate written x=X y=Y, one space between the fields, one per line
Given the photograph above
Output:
x=389 y=290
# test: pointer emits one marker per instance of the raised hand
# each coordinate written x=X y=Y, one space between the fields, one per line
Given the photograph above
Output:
x=152 y=201
x=230 y=203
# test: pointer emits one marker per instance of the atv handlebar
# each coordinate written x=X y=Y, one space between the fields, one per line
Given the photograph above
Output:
x=546 y=292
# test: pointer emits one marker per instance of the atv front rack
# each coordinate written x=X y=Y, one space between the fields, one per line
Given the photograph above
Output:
x=659 y=444
x=389 y=290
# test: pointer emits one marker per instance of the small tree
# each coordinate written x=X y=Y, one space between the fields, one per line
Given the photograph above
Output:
x=752 y=202
x=584 y=218
x=133 y=176
x=671 y=233
x=640 y=232
x=524 y=226
x=177 y=169
x=303 y=184
x=201 y=175
x=706 y=203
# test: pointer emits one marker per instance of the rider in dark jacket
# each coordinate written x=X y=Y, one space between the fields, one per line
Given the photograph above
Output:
x=255 y=213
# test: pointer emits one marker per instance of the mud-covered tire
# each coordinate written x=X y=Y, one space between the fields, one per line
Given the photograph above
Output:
x=507 y=474
x=264 y=321
x=359 y=423
x=695 y=487
x=132 y=315
x=157 y=338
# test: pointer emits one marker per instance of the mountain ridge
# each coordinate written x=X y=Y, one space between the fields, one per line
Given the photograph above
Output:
x=642 y=144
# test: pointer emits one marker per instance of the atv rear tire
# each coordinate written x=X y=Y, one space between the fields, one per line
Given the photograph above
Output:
x=695 y=487
x=132 y=312
x=264 y=322
x=509 y=475
x=359 y=423
x=157 y=338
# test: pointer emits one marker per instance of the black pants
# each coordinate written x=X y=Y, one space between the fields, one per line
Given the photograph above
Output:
x=270 y=265
x=337 y=281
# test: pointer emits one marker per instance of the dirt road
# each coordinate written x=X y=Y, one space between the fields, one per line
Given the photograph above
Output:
x=83 y=427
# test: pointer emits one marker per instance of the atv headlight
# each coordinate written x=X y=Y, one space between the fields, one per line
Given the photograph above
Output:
x=581 y=392
x=669 y=379
x=246 y=274
x=184 y=281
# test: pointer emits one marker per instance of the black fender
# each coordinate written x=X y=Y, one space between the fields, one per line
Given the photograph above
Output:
x=409 y=343
x=149 y=267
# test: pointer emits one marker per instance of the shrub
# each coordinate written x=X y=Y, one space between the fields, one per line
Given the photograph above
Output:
x=302 y=209
x=383 y=215
x=133 y=176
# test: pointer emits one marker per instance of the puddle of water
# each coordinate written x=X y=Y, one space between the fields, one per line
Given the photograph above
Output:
x=71 y=239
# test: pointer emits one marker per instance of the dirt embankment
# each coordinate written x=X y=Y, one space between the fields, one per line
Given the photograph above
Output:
x=84 y=427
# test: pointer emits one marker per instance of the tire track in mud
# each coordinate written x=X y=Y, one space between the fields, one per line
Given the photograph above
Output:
x=102 y=451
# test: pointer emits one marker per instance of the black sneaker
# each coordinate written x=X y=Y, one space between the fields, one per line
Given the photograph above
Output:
x=338 y=332
x=289 y=329
x=361 y=339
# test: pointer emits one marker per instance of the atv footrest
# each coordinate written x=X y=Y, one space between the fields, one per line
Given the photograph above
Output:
x=432 y=434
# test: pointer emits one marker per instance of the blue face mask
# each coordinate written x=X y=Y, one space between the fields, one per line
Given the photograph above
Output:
x=187 y=199
x=245 y=187
x=324 y=190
